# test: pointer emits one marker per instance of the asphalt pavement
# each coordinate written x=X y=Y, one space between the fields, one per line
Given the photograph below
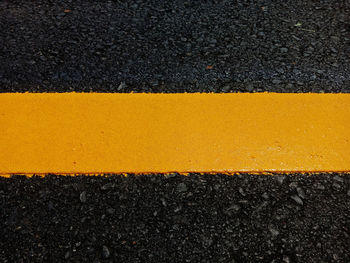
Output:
x=176 y=218
x=175 y=46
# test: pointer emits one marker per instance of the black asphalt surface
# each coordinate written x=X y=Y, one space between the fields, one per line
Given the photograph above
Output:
x=174 y=218
x=175 y=46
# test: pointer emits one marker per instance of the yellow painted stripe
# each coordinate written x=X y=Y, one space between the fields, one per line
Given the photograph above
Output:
x=143 y=133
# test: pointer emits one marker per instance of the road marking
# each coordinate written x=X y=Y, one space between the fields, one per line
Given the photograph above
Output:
x=98 y=133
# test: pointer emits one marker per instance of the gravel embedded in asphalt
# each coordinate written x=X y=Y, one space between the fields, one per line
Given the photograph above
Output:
x=156 y=218
x=175 y=46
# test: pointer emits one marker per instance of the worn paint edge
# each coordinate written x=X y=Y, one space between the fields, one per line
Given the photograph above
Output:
x=273 y=173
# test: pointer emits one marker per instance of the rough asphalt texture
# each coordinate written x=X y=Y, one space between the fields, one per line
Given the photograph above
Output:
x=175 y=46
x=174 y=218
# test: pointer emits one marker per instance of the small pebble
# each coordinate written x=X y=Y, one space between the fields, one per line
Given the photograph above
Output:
x=280 y=178
x=105 y=252
x=110 y=211
x=226 y=88
x=297 y=199
x=181 y=187
x=301 y=192
x=274 y=231
x=338 y=179
x=121 y=86
x=320 y=187
x=83 y=197
x=67 y=255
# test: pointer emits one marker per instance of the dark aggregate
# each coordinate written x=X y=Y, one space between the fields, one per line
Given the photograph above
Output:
x=175 y=46
x=175 y=218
